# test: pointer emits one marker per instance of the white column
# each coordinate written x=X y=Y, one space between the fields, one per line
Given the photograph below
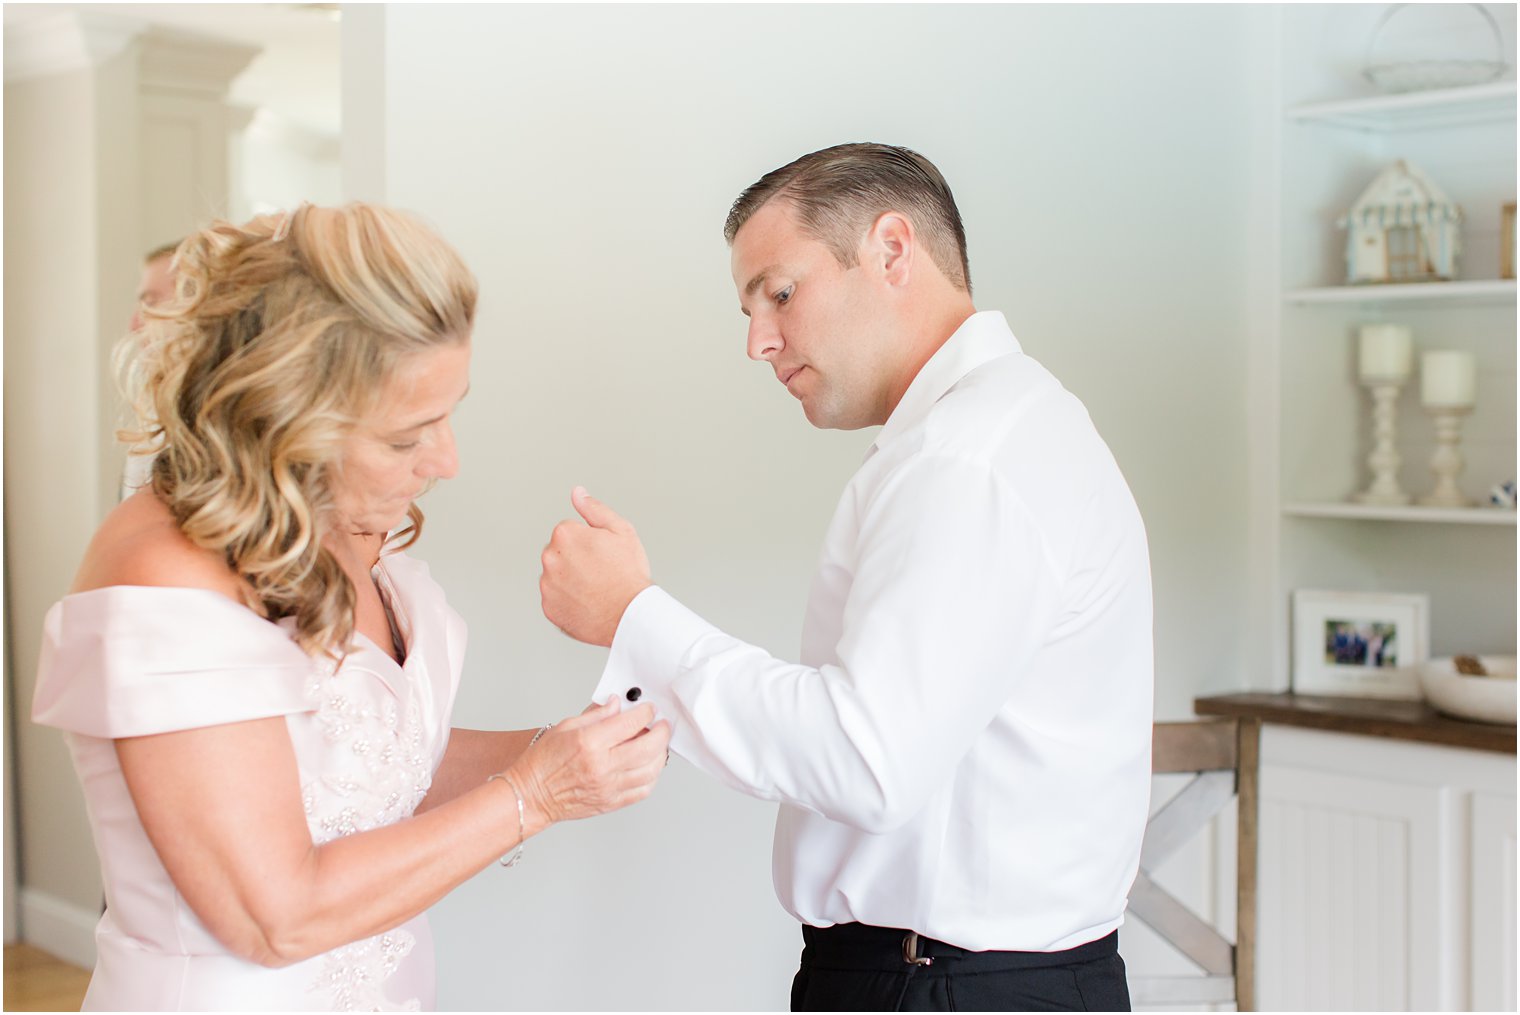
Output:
x=186 y=127
x=59 y=70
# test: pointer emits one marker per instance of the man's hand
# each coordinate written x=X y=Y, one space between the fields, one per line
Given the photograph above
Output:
x=592 y=571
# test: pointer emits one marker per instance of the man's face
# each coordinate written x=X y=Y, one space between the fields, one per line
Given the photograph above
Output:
x=155 y=289
x=819 y=325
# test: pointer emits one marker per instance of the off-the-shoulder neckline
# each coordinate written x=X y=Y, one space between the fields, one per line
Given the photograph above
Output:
x=158 y=588
x=360 y=635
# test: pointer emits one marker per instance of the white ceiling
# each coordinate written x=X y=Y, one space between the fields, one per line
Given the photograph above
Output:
x=296 y=76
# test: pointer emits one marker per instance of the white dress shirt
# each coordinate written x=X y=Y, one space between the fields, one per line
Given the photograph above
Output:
x=964 y=749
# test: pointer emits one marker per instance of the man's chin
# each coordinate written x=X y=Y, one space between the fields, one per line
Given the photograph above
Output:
x=825 y=418
x=817 y=413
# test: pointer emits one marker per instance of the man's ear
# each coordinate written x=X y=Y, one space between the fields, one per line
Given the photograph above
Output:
x=891 y=244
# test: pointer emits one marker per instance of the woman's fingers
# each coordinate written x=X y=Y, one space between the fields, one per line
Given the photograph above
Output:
x=612 y=730
x=648 y=747
x=598 y=761
x=612 y=726
x=590 y=714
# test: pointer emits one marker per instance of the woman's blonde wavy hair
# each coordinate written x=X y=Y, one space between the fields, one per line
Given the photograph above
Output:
x=281 y=337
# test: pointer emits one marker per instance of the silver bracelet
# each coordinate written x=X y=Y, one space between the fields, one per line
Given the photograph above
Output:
x=545 y=729
x=511 y=859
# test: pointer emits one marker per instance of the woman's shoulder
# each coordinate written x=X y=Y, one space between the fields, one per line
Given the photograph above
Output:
x=140 y=544
x=155 y=637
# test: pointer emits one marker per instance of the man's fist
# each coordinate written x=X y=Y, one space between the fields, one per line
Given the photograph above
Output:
x=592 y=571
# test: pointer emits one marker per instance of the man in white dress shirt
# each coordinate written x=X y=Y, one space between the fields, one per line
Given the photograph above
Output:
x=962 y=757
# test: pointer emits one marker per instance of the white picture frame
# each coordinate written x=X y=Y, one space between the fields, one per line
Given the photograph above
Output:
x=1359 y=644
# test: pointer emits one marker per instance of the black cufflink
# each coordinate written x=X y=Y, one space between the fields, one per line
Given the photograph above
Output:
x=634 y=694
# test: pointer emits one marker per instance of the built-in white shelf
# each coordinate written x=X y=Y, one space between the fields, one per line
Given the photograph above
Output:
x=1412 y=513
x=1481 y=291
x=1443 y=107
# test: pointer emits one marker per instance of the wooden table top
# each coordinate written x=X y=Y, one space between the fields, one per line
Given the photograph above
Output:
x=1373 y=717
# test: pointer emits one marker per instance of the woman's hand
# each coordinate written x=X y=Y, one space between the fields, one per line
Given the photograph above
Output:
x=222 y=807
x=596 y=762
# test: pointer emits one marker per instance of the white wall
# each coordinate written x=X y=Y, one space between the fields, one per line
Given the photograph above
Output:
x=583 y=159
x=277 y=164
x=1467 y=571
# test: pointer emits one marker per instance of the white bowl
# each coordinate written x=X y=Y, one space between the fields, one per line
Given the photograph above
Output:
x=1483 y=699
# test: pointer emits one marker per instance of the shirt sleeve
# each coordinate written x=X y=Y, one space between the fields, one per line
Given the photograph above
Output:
x=953 y=592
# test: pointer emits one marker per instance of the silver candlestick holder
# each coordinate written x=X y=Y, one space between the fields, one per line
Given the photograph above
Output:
x=1447 y=462
x=1384 y=460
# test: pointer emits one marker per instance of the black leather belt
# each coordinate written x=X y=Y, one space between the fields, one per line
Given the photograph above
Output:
x=862 y=946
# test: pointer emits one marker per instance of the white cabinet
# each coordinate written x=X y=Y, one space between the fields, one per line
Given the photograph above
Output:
x=1336 y=133
x=1493 y=902
x=1387 y=875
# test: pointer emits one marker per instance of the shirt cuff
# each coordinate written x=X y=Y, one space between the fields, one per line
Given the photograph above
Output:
x=652 y=642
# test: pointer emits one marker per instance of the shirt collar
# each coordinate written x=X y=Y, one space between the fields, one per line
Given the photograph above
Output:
x=981 y=338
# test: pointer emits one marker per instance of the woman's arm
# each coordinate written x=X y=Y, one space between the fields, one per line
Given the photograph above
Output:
x=472 y=755
x=222 y=806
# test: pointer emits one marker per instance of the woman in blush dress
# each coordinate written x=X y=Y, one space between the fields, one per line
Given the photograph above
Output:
x=255 y=679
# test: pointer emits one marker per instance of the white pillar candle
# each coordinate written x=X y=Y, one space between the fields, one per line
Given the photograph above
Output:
x=1387 y=352
x=1448 y=379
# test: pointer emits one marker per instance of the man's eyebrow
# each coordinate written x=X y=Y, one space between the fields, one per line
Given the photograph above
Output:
x=759 y=279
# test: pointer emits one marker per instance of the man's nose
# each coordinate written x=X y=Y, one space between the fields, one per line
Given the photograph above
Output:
x=764 y=340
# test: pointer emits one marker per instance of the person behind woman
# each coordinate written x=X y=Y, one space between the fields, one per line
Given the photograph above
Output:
x=155 y=288
x=255 y=679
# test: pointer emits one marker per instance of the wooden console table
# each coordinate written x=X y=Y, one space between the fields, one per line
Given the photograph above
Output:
x=1373 y=717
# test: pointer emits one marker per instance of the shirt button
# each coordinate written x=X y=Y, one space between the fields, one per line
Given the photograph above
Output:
x=634 y=694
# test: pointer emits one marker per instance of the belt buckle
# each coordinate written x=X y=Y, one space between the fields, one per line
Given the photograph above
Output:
x=910 y=951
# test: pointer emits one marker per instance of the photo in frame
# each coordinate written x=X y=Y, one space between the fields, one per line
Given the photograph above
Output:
x=1359 y=644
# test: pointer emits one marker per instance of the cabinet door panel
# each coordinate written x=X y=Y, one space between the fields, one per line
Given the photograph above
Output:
x=1349 y=917
x=1493 y=902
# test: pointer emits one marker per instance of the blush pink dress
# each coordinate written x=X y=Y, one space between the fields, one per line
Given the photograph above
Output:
x=128 y=661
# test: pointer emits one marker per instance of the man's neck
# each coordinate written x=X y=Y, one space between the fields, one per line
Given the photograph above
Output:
x=929 y=335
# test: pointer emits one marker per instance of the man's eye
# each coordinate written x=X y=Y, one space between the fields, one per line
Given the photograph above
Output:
x=784 y=296
x=409 y=445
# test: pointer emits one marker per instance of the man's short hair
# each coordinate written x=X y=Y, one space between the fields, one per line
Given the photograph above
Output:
x=840 y=191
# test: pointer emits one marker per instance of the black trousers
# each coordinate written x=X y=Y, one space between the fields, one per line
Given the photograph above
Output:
x=856 y=967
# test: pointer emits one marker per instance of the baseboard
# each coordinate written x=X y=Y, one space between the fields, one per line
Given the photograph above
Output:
x=59 y=928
